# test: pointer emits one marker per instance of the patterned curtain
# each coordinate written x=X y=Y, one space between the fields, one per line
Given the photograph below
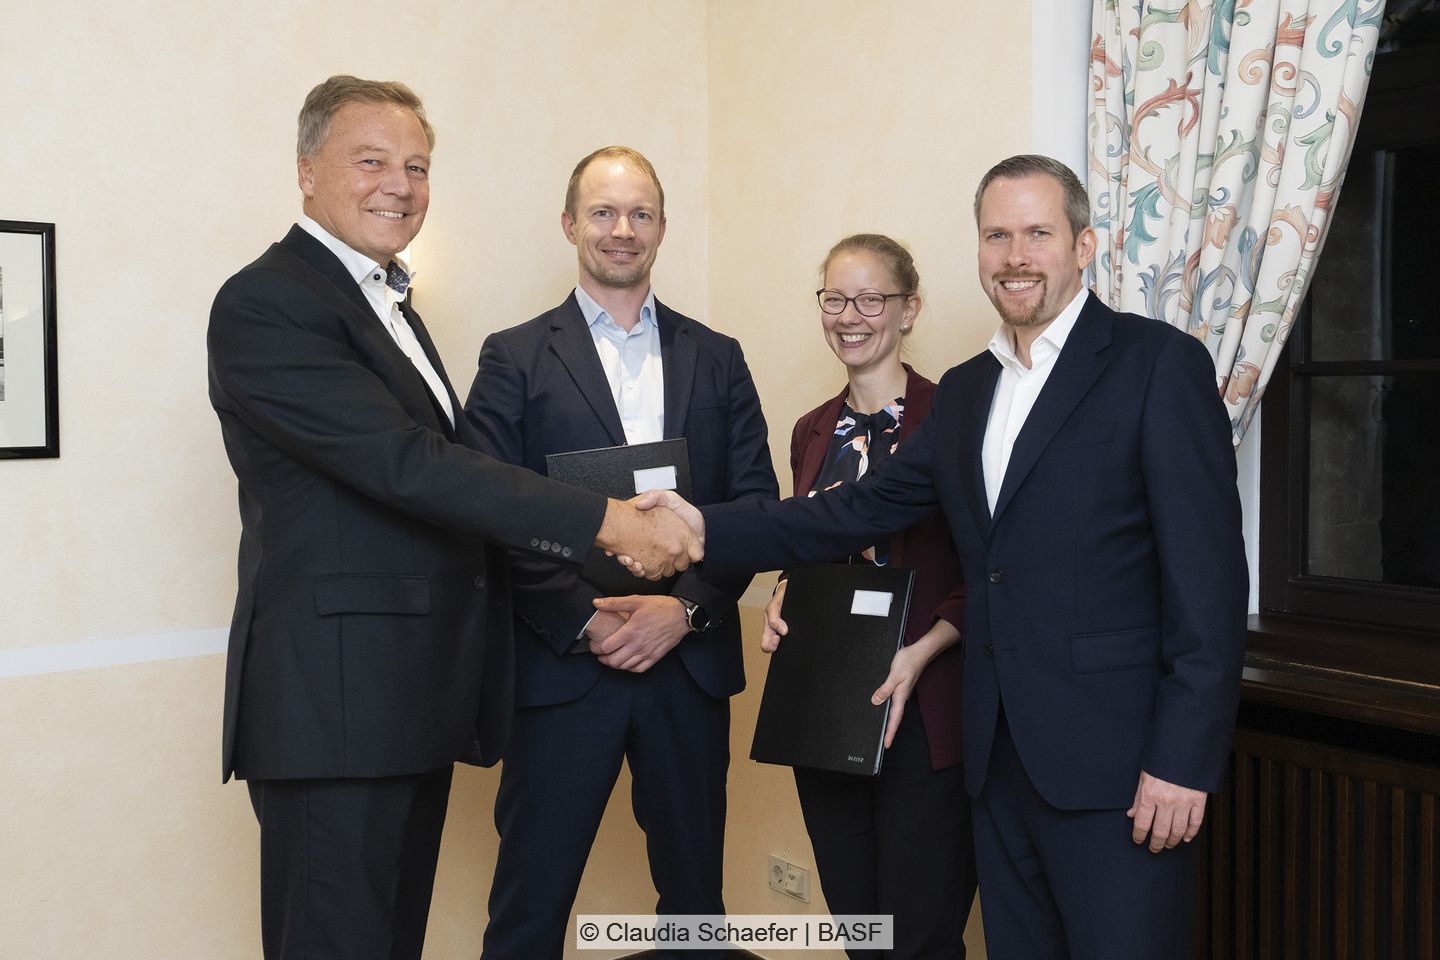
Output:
x=1219 y=134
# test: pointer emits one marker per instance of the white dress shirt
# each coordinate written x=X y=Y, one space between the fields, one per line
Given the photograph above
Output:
x=632 y=364
x=633 y=368
x=1017 y=389
x=386 y=304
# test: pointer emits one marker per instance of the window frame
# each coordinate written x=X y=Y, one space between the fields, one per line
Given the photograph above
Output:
x=1403 y=85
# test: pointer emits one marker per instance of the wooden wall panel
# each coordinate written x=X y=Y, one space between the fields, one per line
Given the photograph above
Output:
x=1321 y=853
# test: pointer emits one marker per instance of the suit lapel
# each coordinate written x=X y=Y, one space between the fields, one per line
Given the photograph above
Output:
x=570 y=340
x=431 y=354
x=1079 y=365
x=368 y=326
x=314 y=253
x=918 y=396
x=919 y=393
x=970 y=441
x=678 y=354
x=822 y=428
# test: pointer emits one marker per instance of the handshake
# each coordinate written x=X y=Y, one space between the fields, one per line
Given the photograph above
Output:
x=653 y=535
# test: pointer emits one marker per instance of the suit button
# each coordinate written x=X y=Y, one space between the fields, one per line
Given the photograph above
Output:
x=544 y=544
x=989 y=650
x=480 y=582
x=997 y=575
x=565 y=552
x=534 y=541
x=555 y=548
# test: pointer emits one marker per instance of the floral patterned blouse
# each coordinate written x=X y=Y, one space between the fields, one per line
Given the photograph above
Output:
x=860 y=443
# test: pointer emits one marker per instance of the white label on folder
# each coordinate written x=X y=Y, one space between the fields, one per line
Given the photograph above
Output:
x=871 y=603
x=655 y=478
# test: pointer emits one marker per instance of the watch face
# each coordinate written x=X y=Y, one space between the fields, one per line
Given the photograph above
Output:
x=697 y=617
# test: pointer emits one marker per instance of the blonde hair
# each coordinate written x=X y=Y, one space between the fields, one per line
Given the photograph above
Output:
x=893 y=252
x=629 y=155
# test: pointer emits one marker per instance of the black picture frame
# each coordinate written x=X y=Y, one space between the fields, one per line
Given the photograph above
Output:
x=29 y=370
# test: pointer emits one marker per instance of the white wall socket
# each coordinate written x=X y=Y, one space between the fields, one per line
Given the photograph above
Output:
x=788 y=878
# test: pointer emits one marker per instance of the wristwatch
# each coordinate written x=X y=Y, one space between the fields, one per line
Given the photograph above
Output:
x=695 y=615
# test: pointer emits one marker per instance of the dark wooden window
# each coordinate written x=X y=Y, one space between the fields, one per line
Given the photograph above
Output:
x=1324 y=840
x=1350 y=487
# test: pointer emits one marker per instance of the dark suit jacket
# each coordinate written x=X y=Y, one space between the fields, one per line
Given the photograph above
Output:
x=1106 y=596
x=540 y=389
x=372 y=627
x=939 y=592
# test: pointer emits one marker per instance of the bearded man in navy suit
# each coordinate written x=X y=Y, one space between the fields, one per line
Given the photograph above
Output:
x=644 y=678
x=1085 y=469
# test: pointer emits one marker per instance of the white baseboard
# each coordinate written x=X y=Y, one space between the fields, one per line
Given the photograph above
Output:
x=114 y=652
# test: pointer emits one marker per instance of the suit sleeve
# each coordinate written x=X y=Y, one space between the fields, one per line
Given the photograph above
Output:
x=1189 y=467
x=768 y=535
x=798 y=433
x=284 y=367
x=749 y=476
x=952 y=608
x=551 y=599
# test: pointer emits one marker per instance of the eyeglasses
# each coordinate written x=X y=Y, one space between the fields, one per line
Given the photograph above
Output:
x=866 y=304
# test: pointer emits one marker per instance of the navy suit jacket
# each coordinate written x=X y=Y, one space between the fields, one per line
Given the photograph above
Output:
x=540 y=389
x=372 y=629
x=1106 y=596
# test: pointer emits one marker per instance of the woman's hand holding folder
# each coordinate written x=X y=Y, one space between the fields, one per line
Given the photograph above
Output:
x=905 y=668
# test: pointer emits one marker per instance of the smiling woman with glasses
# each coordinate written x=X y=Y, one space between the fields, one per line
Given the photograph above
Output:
x=897 y=843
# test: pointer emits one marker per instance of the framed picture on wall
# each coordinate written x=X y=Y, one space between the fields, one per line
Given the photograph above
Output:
x=29 y=394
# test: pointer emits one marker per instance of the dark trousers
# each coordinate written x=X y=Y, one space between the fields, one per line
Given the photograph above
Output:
x=347 y=866
x=898 y=843
x=1071 y=884
x=559 y=770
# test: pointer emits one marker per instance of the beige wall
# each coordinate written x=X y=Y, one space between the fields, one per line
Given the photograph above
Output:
x=159 y=136
x=823 y=125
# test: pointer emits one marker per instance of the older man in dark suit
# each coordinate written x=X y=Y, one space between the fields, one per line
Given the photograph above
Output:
x=371 y=643
x=643 y=678
x=1085 y=469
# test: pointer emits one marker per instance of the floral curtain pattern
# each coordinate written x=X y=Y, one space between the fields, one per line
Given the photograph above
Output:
x=1219 y=133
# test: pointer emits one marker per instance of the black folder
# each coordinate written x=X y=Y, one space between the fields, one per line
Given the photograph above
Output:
x=816 y=709
x=616 y=472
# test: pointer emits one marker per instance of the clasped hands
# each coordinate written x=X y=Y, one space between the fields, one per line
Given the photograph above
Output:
x=634 y=633
x=649 y=542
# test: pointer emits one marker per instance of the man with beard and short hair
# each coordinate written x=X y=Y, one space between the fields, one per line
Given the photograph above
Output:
x=641 y=678
x=1085 y=469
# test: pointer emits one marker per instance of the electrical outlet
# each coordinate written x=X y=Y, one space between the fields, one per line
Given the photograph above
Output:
x=788 y=878
x=797 y=882
x=775 y=874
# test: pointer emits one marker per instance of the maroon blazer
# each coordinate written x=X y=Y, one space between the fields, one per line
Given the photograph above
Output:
x=939 y=592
